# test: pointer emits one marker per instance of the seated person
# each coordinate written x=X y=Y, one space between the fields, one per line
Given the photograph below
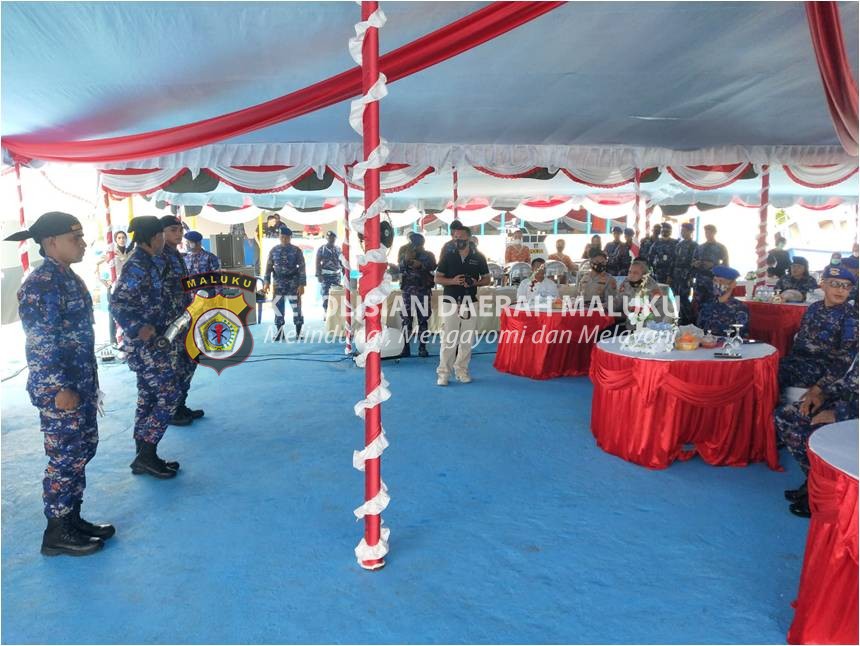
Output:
x=538 y=285
x=596 y=282
x=638 y=276
x=798 y=279
x=852 y=263
x=795 y=422
x=517 y=251
x=719 y=314
x=827 y=340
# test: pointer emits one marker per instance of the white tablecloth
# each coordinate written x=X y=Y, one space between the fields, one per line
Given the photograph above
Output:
x=837 y=444
x=748 y=351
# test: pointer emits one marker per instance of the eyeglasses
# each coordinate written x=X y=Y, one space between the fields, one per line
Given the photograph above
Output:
x=840 y=284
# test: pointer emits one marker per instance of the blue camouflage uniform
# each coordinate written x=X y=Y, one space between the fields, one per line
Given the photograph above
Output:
x=795 y=428
x=141 y=298
x=179 y=301
x=823 y=348
x=201 y=262
x=416 y=285
x=611 y=250
x=712 y=252
x=645 y=247
x=330 y=270
x=682 y=277
x=661 y=257
x=287 y=264
x=803 y=285
x=719 y=317
x=57 y=315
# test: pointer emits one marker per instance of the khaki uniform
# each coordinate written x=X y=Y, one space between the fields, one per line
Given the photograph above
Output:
x=602 y=286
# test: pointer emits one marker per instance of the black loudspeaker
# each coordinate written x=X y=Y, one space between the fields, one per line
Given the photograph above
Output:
x=229 y=249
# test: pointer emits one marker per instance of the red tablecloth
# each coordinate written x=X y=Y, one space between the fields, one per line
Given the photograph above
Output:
x=544 y=345
x=775 y=324
x=826 y=606
x=653 y=412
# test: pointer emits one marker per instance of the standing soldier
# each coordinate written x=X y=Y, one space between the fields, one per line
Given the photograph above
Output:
x=682 y=274
x=197 y=259
x=57 y=315
x=329 y=268
x=661 y=255
x=611 y=250
x=708 y=255
x=179 y=300
x=287 y=263
x=647 y=241
x=417 y=267
x=141 y=305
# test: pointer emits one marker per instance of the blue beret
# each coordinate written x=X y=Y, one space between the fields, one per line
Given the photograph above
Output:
x=617 y=230
x=330 y=234
x=666 y=225
x=838 y=272
x=721 y=271
x=193 y=236
x=284 y=230
x=851 y=262
x=688 y=226
x=629 y=232
x=416 y=238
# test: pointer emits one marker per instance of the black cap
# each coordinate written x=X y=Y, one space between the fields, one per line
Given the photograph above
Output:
x=169 y=221
x=146 y=226
x=55 y=223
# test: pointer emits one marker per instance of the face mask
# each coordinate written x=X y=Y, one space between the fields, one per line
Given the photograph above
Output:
x=720 y=289
x=461 y=244
x=636 y=283
x=598 y=267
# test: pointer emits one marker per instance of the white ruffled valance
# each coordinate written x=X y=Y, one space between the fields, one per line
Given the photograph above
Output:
x=821 y=176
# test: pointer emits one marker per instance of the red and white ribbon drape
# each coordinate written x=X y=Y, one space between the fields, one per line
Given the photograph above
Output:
x=374 y=285
x=110 y=252
x=820 y=176
x=23 y=254
x=638 y=180
x=761 y=241
x=708 y=178
x=347 y=288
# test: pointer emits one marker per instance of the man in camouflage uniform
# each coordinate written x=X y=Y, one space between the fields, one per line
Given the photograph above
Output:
x=287 y=264
x=836 y=402
x=597 y=283
x=142 y=305
x=647 y=241
x=57 y=316
x=611 y=250
x=417 y=267
x=329 y=268
x=661 y=255
x=708 y=255
x=797 y=279
x=827 y=340
x=179 y=300
x=720 y=314
x=682 y=272
x=197 y=259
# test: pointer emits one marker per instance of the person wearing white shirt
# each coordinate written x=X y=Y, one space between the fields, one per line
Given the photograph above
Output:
x=538 y=285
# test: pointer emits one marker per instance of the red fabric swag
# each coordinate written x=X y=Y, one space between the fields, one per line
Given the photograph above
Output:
x=462 y=35
x=840 y=87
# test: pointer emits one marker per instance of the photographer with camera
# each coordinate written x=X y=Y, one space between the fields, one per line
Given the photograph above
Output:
x=461 y=271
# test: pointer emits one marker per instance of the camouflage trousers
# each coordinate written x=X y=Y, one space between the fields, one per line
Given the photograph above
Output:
x=159 y=390
x=186 y=367
x=327 y=281
x=794 y=430
x=280 y=303
x=416 y=305
x=800 y=372
x=71 y=439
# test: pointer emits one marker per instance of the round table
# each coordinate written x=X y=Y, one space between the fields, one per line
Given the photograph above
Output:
x=775 y=323
x=655 y=409
x=544 y=344
x=827 y=605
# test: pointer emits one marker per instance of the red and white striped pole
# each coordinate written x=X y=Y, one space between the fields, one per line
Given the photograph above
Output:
x=761 y=241
x=110 y=254
x=347 y=288
x=372 y=549
x=638 y=178
x=456 y=181
x=22 y=246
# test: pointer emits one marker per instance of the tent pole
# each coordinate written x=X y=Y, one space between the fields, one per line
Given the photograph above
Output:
x=130 y=208
x=371 y=278
x=636 y=208
x=455 y=178
x=761 y=242
x=23 y=253
x=347 y=287
x=111 y=261
x=588 y=222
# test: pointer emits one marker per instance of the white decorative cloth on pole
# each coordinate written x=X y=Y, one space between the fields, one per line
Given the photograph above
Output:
x=375 y=505
x=370 y=452
x=364 y=552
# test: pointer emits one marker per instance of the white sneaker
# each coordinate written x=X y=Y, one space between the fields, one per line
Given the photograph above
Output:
x=464 y=378
x=442 y=380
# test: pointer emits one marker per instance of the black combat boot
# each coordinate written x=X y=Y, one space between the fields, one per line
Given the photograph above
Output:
x=180 y=418
x=279 y=336
x=793 y=495
x=148 y=462
x=800 y=507
x=422 y=350
x=407 y=351
x=62 y=537
x=298 y=331
x=170 y=464
x=90 y=529
x=193 y=413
